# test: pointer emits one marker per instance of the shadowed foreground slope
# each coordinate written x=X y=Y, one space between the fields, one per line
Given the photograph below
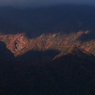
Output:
x=71 y=74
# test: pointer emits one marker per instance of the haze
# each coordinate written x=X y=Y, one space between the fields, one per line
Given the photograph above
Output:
x=35 y=3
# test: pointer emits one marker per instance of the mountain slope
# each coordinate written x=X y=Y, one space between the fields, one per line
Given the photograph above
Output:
x=64 y=43
x=70 y=74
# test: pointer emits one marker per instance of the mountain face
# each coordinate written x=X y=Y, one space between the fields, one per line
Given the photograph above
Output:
x=62 y=42
x=50 y=64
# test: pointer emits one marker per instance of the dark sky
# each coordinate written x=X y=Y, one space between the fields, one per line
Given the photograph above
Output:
x=43 y=2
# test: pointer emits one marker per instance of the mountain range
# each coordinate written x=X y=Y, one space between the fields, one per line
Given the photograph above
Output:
x=47 y=51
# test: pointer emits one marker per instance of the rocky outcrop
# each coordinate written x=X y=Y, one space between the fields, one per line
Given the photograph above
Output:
x=18 y=42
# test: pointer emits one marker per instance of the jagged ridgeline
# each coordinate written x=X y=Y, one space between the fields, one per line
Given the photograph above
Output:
x=64 y=43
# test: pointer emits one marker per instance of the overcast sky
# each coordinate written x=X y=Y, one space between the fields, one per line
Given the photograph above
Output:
x=43 y=2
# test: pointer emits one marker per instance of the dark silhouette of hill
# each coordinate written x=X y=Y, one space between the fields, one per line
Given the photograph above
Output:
x=5 y=54
x=71 y=74
x=6 y=69
x=35 y=21
x=37 y=56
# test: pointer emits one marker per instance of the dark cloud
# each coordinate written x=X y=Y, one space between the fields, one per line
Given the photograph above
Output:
x=43 y=2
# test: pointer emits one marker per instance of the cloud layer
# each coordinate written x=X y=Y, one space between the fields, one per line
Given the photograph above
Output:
x=43 y=2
